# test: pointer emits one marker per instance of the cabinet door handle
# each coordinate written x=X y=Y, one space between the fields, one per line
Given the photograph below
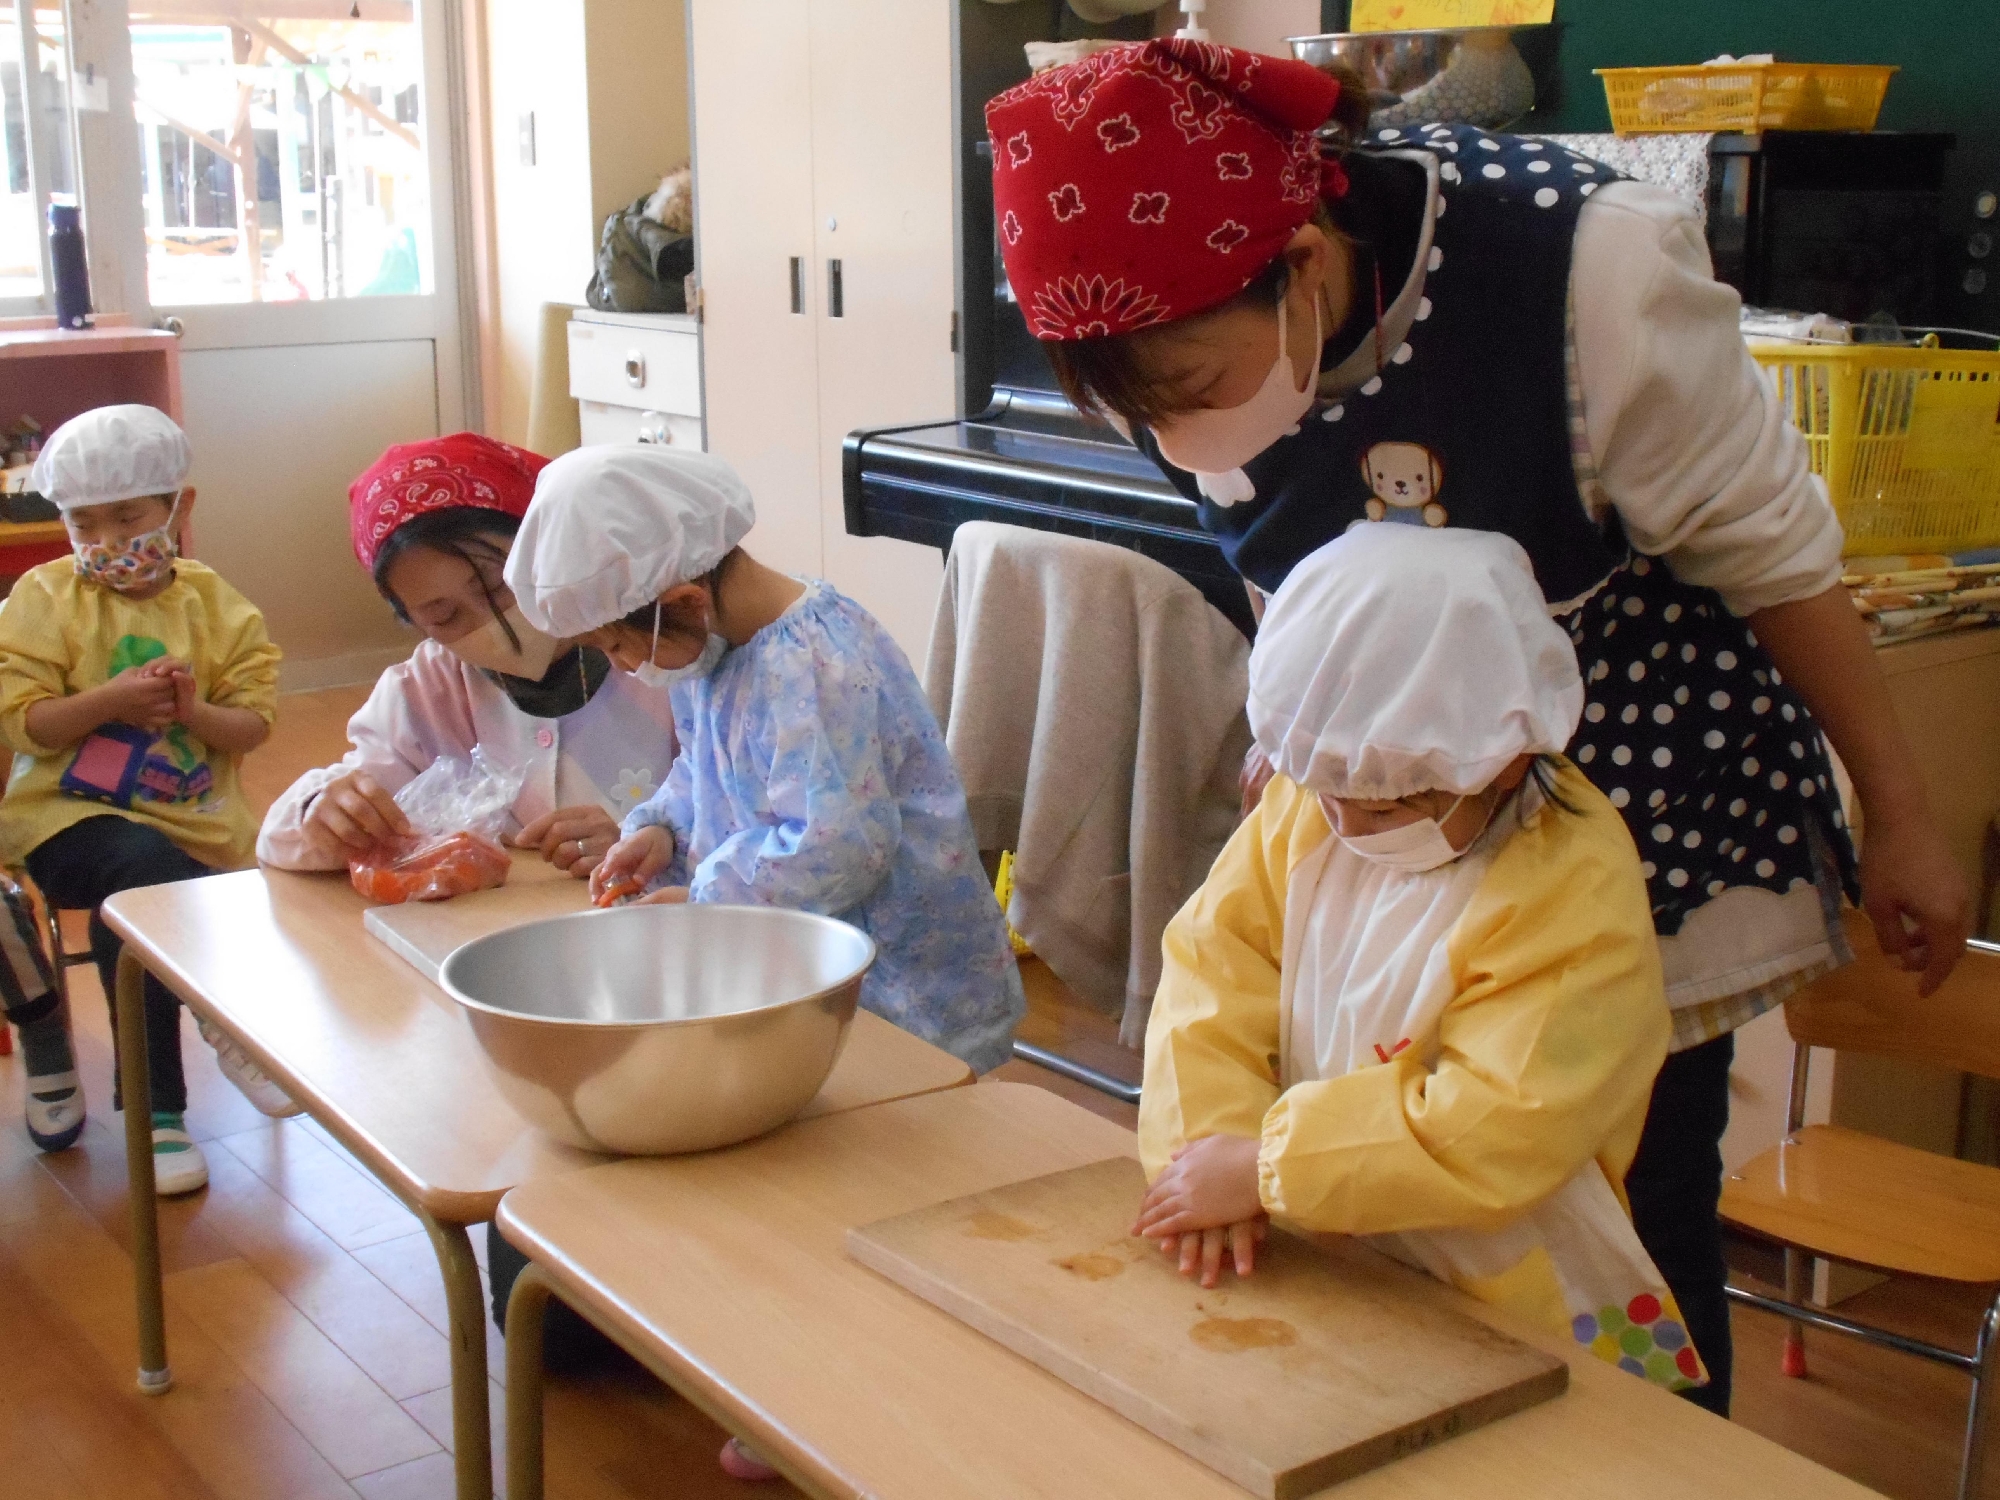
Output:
x=836 y=301
x=635 y=369
x=798 y=284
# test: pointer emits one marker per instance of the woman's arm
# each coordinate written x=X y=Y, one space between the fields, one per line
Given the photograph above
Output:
x=1694 y=452
x=1691 y=444
x=1912 y=889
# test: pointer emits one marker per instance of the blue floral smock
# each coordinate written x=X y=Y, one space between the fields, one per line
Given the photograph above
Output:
x=812 y=775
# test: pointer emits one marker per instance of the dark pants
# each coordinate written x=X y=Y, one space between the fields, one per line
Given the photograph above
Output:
x=78 y=869
x=1674 y=1185
x=570 y=1344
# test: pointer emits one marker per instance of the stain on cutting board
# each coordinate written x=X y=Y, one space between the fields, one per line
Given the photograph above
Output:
x=1235 y=1335
x=1092 y=1265
x=992 y=1226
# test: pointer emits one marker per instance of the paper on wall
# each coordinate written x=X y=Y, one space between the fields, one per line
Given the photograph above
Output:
x=1436 y=15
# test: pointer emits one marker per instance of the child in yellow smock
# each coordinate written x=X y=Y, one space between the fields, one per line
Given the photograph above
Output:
x=1418 y=998
x=132 y=684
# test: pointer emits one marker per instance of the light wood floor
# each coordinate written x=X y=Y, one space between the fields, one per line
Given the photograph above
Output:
x=307 y=1319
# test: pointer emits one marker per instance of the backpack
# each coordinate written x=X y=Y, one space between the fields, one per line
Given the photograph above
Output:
x=642 y=267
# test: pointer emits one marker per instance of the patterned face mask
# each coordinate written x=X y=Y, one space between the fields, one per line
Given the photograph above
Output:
x=137 y=563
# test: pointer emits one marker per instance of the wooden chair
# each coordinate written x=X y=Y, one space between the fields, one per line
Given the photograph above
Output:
x=1837 y=1194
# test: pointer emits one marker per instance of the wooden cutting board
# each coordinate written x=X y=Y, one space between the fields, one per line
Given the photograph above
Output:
x=1325 y=1363
x=424 y=933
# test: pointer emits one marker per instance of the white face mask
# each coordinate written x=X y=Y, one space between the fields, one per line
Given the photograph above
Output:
x=656 y=676
x=1414 y=847
x=1220 y=442
x=488 y=647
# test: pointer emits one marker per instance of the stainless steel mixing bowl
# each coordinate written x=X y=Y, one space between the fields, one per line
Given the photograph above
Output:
x=1470 y=76
x=647 y=1030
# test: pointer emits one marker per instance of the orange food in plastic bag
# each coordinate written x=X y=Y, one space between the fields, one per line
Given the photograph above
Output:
x=429 y=868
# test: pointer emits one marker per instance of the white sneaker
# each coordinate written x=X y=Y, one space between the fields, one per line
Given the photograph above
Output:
x=250 y=1080
x=178 y=1165
x=55 y=1109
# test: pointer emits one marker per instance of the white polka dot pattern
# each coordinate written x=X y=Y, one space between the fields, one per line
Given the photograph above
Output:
x=1687 y=761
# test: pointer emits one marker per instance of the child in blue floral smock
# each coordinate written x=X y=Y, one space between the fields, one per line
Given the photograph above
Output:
x=811 y=771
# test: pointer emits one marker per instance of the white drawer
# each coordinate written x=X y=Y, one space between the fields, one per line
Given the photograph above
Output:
x=629 y=424
x=652 y=369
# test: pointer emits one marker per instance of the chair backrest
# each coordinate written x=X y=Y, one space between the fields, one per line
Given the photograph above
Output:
x=1871 y=1005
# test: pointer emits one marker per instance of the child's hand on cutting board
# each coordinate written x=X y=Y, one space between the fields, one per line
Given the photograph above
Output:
x=1206 y=1202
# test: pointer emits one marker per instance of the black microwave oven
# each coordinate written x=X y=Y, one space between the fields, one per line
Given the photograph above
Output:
x=1848 y=223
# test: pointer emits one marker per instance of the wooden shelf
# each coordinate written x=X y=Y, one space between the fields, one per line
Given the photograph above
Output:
x=44 y=343
x=33 y=533
x=52 y=374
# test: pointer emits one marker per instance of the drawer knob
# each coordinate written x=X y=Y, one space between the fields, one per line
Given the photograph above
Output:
x=635 y=369
x=653 y=428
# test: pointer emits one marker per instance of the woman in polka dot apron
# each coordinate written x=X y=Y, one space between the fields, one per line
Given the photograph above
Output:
x=1510 y=338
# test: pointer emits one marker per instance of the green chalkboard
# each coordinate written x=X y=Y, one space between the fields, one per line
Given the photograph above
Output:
x=1948 y=50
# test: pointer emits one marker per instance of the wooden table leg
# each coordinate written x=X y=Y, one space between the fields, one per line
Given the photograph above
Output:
x=525 y=1306
x=136 y=1085
x=471 y=1421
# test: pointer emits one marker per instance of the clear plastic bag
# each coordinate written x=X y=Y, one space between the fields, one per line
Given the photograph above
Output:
x=457 y=810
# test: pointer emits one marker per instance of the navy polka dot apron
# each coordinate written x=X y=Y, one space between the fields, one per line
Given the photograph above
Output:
x=1716 y=766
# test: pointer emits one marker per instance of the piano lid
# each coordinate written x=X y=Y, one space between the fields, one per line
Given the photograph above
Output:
x=1030 y=460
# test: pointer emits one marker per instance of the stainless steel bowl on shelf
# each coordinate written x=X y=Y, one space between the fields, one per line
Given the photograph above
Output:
x=1473 y=75
x=649 y=1030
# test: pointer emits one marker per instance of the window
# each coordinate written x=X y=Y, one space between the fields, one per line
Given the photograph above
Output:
x=34 y=83
x=273 y=169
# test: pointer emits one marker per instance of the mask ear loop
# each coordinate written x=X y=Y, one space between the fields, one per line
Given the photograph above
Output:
x=172 y=528
x=650 y=655
x=1485 y=823
x=1312 y=370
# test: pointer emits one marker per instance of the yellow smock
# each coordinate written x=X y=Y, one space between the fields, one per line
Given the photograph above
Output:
x=1538 y=1065
x=60 y=635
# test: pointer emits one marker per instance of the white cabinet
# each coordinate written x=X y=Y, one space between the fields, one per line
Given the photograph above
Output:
x=636 y=377
x=824 y=220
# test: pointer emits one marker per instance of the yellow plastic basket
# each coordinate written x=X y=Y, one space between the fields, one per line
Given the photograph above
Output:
x=1908 y=440
x=1746 y=96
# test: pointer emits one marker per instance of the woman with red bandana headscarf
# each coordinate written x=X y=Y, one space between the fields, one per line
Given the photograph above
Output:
x=1436 y=326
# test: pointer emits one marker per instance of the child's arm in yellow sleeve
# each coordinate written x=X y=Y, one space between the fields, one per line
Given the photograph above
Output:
x=242 y=703
x=1547 y=1053
x=234 y=731
x=1212 y=1040
x=49 y=724
x=39 y=715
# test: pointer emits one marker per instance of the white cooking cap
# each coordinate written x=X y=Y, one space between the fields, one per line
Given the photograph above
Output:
x=615 y=526
x=1400 y=659
x=112 y=453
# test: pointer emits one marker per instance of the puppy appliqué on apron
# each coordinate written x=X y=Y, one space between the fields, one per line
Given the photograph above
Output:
x=1716 y=766
x=1359 y=993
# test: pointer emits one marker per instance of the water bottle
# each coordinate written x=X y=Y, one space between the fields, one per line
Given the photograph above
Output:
x=67 y=261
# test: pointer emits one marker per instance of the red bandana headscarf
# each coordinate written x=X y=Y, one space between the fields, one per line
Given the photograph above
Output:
x=462 y=471
x=1151 y=182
